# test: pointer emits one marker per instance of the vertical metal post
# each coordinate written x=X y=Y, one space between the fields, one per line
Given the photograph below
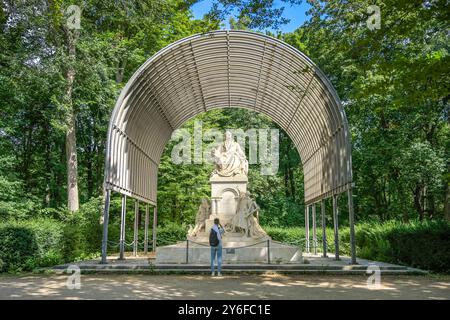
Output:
x=105 y=226
x=268 y=251
x=307 y=228
x=146 y=229
x=155 y=217
x=136 y=228
x=123 y=215
x=314 y=228
x=324 y=228
x=351 y=214
x=336 y=227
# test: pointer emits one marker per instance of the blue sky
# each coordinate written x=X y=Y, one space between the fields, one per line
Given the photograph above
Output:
x=296 y=13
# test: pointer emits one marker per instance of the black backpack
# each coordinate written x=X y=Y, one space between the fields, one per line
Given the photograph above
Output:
x=213 y=239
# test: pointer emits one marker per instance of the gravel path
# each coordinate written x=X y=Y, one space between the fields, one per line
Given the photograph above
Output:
x=117 y=286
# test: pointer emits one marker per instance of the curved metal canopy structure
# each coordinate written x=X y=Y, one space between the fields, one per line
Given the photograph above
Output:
x=224 y=69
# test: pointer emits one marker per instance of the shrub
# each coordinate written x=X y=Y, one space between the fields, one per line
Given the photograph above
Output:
x=171 y=233
x=424 y=245
x=286 y=235
x=25 y=245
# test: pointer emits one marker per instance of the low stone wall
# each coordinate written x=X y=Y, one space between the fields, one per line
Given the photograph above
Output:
x=257 y=253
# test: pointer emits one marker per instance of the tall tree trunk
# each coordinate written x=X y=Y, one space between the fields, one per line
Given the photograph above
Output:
x=418 y=202
x=71 y=139
x=292 y=182
x=59 y=175
x=90 y=169
x=286 y=180
x=99 y=167
x=48 y=168
x=27 y=158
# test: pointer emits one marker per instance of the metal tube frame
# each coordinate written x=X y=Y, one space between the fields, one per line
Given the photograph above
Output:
x=248 y=72
x=307 y=229
x=336 y=226
x=314 y=228
x=105 y=226
x=136 y=228
x=324 y=228
x=155 y=218
x=123 y=216
x=146 y=230
x=352 y=226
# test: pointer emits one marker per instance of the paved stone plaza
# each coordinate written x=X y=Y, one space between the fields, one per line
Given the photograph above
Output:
x=115 y=286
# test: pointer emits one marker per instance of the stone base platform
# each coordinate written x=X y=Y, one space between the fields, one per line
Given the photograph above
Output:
x=230 y=240
x=232 y=252
x=313 y=264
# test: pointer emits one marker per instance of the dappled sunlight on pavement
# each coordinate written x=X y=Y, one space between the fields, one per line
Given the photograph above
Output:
x=266 y=286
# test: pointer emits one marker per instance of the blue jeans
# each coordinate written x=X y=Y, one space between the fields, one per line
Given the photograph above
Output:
x=216 y=250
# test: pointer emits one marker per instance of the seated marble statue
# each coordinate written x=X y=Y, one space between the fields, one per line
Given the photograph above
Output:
x=229 y=158
x=202 y=214
x=244 y=220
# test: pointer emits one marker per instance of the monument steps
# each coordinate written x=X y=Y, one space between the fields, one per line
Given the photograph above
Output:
x=229 y=269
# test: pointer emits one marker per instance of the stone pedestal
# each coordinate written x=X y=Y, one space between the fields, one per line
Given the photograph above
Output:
x=232 y=253
x=224 y=197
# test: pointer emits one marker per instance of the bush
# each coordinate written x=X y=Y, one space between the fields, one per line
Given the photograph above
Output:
x=28 y=244
x=286 y=235
x=84 y=230
x=424 y=245
x=171 y=233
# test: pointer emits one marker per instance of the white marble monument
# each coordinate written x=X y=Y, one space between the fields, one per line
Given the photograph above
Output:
x=230 y=201
x=244 y=240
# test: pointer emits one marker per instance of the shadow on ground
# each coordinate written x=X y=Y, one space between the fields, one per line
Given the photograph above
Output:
x=268 y=286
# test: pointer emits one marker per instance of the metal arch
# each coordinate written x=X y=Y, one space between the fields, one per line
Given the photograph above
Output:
x=223 y=69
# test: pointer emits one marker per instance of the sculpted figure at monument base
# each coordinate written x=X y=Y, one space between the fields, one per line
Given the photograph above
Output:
x=245 y=220
x=203 y=213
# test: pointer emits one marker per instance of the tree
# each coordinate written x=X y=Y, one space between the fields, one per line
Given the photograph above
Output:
x=251 y=14
x=392 y=82
x=59 y=85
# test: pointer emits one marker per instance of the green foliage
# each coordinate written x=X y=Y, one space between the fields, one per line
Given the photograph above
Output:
x=420 y=244
x=393 y=82
x=28 y=244
x=171 y=233
x=253 y=14
x=290 y=235
x=42 y=242
x=423 y=245
x=83 y=231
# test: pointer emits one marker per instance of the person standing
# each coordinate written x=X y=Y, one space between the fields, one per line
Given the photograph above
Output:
x=215 y=241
